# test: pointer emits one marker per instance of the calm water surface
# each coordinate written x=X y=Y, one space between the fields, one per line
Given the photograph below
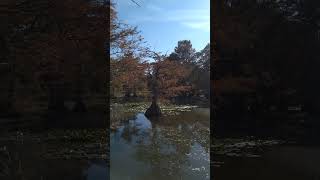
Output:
x=30 y=158
x=174 y=147
x=277 y=163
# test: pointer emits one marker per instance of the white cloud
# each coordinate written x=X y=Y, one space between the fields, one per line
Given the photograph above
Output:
x=154 y=8
x=191 y=18
x=160 y=11
x=198 y=25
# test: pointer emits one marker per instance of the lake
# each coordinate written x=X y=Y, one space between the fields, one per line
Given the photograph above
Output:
x=77 y=154
x=276 y=162
x=172 y=147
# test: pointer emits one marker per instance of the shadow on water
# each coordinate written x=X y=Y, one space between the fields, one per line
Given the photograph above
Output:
x=172 y=147
x=281 y=162
x=71 y=147
x=51 y=156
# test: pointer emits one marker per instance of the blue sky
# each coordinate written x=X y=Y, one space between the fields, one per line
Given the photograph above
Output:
x=164 y=22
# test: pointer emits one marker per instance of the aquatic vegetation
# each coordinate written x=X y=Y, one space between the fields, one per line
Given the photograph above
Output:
x=30 y=155
x=64 y=144
x=122 y=112
x=143 y=106
x=241 y=147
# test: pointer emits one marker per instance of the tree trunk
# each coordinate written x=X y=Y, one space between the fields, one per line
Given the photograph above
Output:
x=154 y=110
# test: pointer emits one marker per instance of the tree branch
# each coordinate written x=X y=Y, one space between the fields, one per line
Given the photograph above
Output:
x=136 y=3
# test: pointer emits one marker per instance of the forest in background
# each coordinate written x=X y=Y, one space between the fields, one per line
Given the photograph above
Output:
x=183 y=74
x=265 y=68
x=53 y=57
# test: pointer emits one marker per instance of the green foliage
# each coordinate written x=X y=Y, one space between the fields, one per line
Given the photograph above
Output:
x=183 y=53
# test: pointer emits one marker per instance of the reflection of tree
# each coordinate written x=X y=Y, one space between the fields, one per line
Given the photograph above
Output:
x=118 y=114
x=129 y=131
x=167 y=146
x=167 y=150
x=193 y=125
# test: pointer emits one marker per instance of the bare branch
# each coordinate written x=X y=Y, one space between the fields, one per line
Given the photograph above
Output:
x=136 y=3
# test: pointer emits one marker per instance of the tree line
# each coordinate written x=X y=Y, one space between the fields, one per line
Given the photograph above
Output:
x=265 y=60
x=136 y=70
x=53 y=49
x=61 y=51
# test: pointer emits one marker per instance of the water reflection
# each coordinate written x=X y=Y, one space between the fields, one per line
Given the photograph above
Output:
x=173 y=147
x=97 y=171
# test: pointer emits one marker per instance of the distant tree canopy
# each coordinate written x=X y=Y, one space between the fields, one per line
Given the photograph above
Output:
x=263 y=36
x=55 y=46
x=124 y=39
x=183 y=73
x=127 y=53
x=265 y=60
x=184 y=53
x=128 y=75
x=138 y=71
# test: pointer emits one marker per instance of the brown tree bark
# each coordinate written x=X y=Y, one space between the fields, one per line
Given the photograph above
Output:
x=154 y=110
